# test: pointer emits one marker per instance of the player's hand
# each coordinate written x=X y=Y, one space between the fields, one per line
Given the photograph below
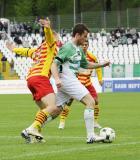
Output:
x=10 y=46
x=106 y=63
x=44 y=22
x=58 y=83
x=101 y=82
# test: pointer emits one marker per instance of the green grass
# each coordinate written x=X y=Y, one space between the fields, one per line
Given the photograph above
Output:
x=120 y=111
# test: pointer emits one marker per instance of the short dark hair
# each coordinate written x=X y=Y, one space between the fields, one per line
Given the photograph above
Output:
x=79 y=28
x=87 y=41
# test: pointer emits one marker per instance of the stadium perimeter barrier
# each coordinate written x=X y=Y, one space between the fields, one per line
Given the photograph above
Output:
x=122 y=78
x=121 y=85
x=18 y=86
x=110 y=85
x=95 y=20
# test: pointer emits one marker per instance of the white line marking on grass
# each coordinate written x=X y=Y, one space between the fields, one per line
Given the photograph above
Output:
x=54 y=137
x=89 y=147
x=9 y=137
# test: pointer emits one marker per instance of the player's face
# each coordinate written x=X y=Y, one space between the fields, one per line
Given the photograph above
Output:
x=85 y=46
x=82 y=38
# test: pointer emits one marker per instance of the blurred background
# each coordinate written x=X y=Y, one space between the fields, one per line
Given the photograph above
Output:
x=97 y=14
x=114 y=26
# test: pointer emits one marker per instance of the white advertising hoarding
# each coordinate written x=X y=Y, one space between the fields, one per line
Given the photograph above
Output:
x=13 y=87
x=20 y=86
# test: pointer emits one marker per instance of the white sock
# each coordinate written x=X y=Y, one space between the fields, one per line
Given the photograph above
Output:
x=88 y=117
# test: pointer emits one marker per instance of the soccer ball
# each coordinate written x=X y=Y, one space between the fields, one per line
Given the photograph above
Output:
x=108 y=134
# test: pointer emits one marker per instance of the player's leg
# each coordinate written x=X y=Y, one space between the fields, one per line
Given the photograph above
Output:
x=94 y=94
x=73 y=88
x=64 y=114
x=76 y=90
x=89 y=119
x=47 y=109
x=89 y=116
x=45 y=98
x=96 y=115
x=62 y=100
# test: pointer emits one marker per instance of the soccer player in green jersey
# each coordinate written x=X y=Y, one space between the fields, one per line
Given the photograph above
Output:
x=70 y=59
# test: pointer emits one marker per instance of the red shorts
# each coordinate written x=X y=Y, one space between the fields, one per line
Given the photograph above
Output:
x=40 y=86
x=92 y=91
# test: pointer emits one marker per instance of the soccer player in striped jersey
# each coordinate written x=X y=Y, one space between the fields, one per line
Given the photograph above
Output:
x=85 y=78
x=38 y=80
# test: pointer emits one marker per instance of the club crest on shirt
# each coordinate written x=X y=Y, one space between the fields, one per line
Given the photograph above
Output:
x=76 y=57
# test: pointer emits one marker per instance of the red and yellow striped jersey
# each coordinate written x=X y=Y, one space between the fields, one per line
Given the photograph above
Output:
x=85 y=74
x=42 y=56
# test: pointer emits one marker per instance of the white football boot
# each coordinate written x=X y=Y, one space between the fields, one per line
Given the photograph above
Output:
x=95 y=138
x=32 y=135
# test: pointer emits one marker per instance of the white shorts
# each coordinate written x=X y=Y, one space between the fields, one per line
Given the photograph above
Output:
x=71 y=88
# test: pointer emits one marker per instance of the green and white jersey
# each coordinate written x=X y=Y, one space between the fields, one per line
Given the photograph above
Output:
x=73 y=56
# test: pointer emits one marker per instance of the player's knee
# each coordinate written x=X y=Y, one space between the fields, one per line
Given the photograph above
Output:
x=89 y=101
x=56 y=111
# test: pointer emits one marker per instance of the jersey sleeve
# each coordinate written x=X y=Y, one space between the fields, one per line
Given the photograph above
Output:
x=26 y=52
x=63 y=55
x=98 y=70
x=49 y=37
x=99 y=74
x=84 y=62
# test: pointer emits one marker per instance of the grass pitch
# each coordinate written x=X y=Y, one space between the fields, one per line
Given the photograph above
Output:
x=120 y=111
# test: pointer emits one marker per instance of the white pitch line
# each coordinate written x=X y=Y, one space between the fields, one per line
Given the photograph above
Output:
x=89 y=147
x=49 y=137
x=56 y=137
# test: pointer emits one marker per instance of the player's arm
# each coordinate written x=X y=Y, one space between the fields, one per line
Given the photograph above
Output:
x=91 y=65
x=49 y=36
x=99 y=75
x=97 y=65
x=27 y=52
x=55 y=74
x=98 y=70
x=56 y=67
